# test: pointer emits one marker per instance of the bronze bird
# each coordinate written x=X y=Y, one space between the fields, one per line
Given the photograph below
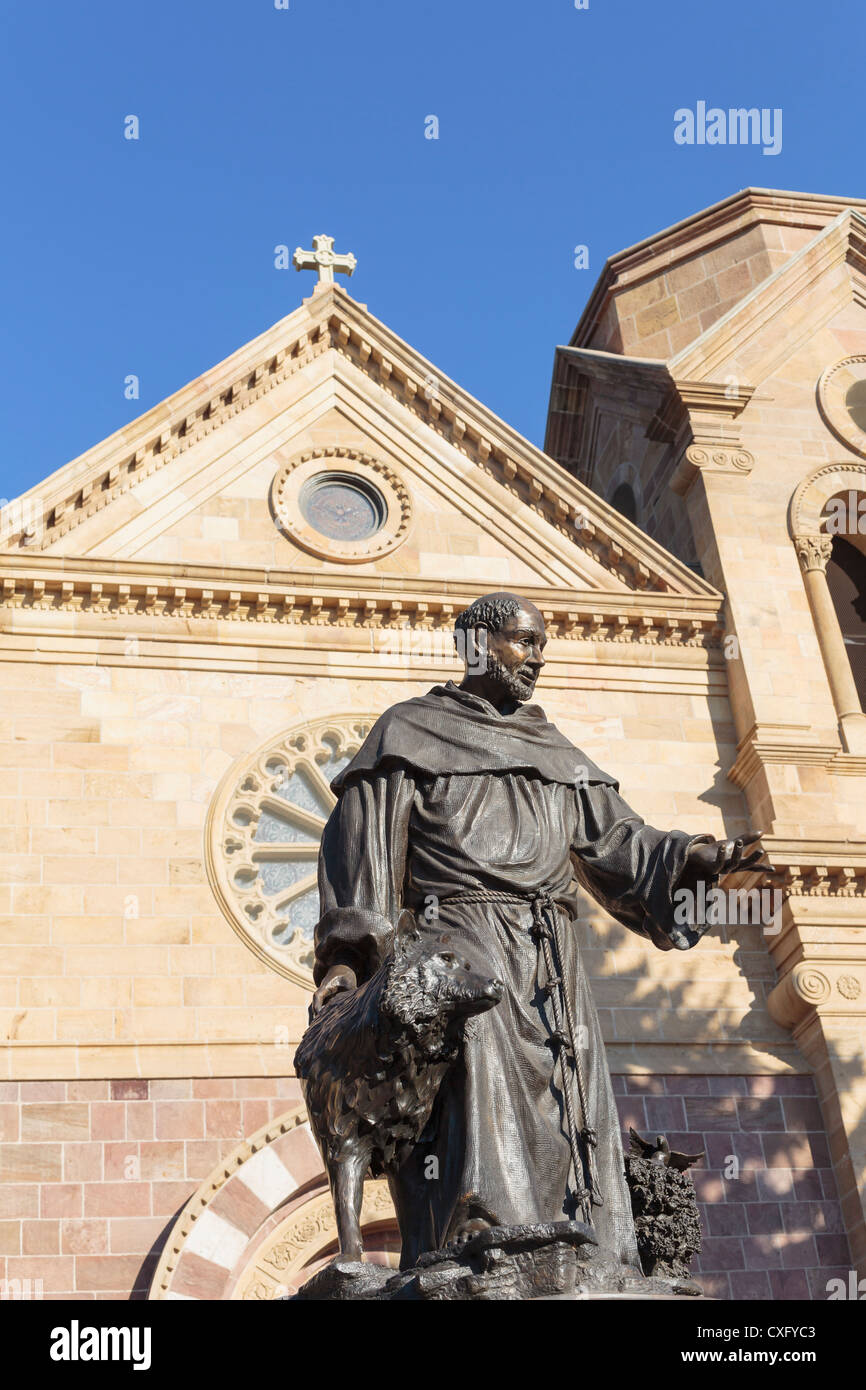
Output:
x=661 y=1152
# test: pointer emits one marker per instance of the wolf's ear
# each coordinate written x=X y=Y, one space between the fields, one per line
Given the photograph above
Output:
x=406 y=933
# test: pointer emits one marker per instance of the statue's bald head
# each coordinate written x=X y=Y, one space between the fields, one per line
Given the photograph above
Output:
x=504 y=659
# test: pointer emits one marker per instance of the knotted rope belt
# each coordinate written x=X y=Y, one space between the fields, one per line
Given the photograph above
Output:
x=582 y=1139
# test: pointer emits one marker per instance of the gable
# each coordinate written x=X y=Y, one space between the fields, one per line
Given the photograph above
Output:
x=219 y=506
x=189 y=482
x=765 y=327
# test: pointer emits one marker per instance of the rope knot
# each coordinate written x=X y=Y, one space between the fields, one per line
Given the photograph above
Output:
x=559 y=1040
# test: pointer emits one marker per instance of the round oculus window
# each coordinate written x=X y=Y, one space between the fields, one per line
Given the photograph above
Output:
x=342 y=506
x=855 y=403
x=842 y=400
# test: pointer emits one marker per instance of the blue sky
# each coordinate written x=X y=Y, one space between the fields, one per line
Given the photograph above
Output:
x=261 y=127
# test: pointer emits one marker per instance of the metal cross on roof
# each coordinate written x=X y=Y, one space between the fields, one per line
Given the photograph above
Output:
x=324 y=259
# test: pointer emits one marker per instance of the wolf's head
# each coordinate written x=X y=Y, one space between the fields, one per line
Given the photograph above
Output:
x=433 y=975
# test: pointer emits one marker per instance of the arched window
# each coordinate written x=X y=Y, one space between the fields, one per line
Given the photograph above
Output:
x=846 y=580
x=625 y=501
x=826 y=521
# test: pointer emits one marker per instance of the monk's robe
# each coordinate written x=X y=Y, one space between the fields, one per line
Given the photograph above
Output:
x=448 y=796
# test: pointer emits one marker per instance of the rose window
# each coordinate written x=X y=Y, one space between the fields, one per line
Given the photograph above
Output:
x=265 y=827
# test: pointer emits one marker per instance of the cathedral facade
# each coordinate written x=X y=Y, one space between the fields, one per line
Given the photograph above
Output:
x=200 y=619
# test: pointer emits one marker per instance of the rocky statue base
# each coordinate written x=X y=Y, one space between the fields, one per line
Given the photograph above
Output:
x=558 y=1260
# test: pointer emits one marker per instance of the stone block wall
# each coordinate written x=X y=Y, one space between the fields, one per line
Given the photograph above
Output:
x=93 y=1175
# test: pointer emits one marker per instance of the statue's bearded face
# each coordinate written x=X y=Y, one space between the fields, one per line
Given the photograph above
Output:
x=515 y=654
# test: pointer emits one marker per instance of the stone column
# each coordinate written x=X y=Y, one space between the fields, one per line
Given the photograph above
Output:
x=813 y=552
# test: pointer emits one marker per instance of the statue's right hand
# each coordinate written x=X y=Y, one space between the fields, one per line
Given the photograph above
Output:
x=338 y=979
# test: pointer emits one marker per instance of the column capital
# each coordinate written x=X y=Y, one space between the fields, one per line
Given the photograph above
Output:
x=813 y=552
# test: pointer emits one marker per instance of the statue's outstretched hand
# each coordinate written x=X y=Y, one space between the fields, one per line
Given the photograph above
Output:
x=709 y=859
x=716 y=857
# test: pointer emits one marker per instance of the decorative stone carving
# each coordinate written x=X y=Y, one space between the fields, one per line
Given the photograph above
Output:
x=300 y=1239
x=808 y=504
x=263 y=833
x=695 y=622
x=811 y=984
x=815 y=987
x=720 y=459
x=324 y=259
x=372 y=474
x=708 y=457
x=813 y=552
x=820 y=881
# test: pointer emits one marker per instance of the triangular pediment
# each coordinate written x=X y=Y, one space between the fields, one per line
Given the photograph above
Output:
x=190 y=482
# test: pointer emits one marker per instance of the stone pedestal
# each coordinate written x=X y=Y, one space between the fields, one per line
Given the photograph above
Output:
x=516 y=1263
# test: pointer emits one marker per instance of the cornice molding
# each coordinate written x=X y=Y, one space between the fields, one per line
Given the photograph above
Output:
x=714 y=398
x=784 y=744
x=816 y=880
x=106 y=589
x=178 y=434
x=536 y=480
x=817 y=868
x=848 y=765
x=700 y=417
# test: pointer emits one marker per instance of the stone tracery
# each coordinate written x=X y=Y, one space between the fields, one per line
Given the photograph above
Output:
x=264 y=828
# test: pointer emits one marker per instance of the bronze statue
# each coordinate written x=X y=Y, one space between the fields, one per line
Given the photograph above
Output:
x=467 y=807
